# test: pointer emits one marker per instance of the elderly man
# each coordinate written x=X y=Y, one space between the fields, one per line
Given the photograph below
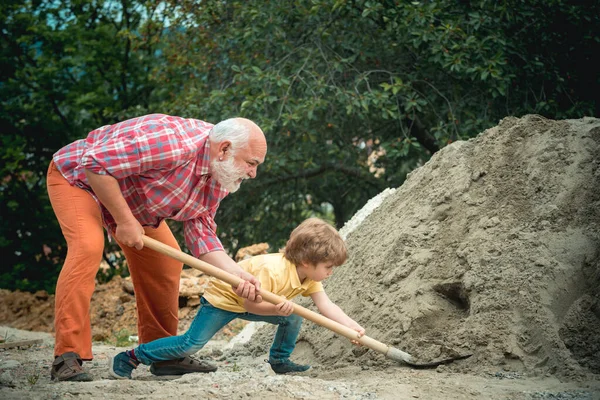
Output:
x=128 y=178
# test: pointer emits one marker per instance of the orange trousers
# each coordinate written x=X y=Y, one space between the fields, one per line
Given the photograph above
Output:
x=155 y=276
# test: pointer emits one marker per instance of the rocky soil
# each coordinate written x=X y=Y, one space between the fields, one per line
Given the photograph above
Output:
x=24 y=375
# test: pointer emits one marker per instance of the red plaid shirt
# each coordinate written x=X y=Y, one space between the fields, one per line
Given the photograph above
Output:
x=162 y=166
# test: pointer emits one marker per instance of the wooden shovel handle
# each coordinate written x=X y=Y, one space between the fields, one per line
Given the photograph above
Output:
x=266 y=295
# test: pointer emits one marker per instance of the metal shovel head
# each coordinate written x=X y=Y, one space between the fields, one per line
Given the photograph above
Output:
x=435 y=363
x=403 y=357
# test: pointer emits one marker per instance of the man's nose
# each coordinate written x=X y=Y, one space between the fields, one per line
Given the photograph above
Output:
x=251 y=172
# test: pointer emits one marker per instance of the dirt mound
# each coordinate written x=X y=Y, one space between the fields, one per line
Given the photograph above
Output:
x=113 y=310
x=490 y=248
x=32 y=312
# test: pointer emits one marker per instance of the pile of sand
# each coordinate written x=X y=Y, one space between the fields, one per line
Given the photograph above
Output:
x=490 y=248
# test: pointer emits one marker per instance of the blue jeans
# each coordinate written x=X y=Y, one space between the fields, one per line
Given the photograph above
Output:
x=207 y=322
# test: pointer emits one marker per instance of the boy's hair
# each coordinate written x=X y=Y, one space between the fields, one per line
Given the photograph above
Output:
x=315 y=241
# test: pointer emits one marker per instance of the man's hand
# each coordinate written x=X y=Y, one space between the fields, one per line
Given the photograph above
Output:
x=129 y=231
x=249 y=288
x=285 y=308
x=130 y=234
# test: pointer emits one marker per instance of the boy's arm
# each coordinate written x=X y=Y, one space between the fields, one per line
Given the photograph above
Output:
x=334 y=312
x=265 y=308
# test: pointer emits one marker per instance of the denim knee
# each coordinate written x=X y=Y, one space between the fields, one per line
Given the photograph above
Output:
x=191 y=346
x=293 y=320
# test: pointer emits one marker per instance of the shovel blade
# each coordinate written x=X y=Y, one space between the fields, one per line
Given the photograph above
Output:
x=435 y=363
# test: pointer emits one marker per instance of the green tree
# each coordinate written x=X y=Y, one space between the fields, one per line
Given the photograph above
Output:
x=352 y=94
x=355 y=94
x=67 y=67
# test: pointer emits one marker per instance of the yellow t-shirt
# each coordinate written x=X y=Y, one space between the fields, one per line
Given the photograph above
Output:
x=275 y=273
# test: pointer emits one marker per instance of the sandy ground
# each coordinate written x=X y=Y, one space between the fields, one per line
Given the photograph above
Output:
x=24 y=374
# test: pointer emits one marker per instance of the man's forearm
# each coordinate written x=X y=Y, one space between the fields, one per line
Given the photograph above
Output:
x=249 y=288
x=220 y=259
x=109 y=193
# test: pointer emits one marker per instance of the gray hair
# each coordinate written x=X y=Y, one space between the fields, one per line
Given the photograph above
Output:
x=234 y=130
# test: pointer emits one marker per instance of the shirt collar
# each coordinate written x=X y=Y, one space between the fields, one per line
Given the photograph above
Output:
x=203 y=161
x=294 y=279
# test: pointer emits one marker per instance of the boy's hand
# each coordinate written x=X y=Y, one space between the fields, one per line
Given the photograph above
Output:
x=285 y=308
x=361 y=333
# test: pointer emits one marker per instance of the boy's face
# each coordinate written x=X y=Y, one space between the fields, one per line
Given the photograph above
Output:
x=318 y=272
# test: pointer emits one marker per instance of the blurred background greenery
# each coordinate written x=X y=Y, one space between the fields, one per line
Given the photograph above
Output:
x=352 y=95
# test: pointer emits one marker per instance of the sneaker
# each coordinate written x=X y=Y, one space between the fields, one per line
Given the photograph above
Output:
x=121 y=366
x=69 y=367
x=185 y=365
x=286 y=366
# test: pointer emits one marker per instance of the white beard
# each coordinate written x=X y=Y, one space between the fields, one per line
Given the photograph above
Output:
x=227 y=174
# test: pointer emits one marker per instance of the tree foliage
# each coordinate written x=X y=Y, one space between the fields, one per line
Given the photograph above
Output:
x=352 y=95
x=66 y=68
x=348 y=88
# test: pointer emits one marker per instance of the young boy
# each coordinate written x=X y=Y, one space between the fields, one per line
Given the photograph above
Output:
x=310 y=254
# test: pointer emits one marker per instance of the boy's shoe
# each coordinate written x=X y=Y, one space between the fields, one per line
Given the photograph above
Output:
x=121 y=365
x=69 y=367
x=286 y=366
x=185 y=365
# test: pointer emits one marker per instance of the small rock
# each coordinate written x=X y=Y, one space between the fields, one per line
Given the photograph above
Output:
x=125 y=298
x=247 y=252
x=41 y=295
x=193 y=301
x=183 y=312
x=127 y=286
x=6 y=379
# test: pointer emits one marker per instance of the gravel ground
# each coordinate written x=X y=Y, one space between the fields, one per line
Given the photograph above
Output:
x=24 y=374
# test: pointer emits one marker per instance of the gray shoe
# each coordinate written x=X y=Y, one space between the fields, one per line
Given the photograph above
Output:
x=69 y=367
x=286 y=366
x=186 y=365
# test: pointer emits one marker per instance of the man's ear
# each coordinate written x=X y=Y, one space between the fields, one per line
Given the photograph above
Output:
x=224 y=147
